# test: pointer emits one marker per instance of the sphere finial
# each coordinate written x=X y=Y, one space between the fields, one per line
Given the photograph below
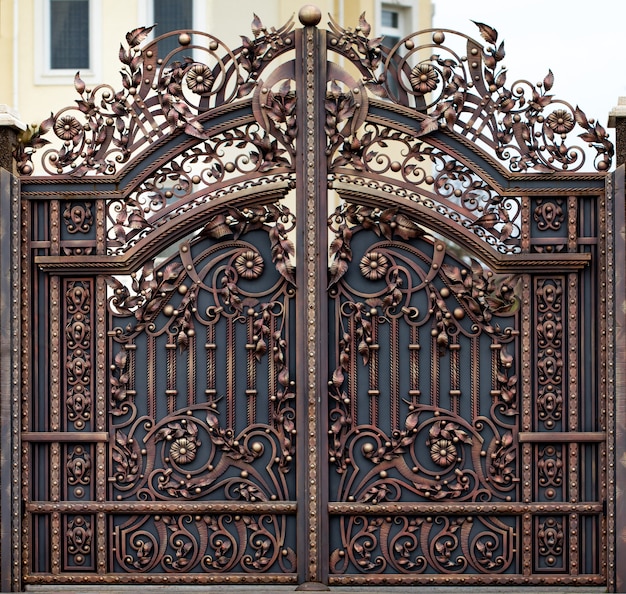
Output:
x=310 y=15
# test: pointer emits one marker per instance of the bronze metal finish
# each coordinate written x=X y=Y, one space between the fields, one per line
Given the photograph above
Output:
x=318 y=311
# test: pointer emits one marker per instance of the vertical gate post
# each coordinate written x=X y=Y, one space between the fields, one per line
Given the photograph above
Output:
x=10 y=127
x=617 y=120
x=311 y=358
x=10 y=353
x=616 y=192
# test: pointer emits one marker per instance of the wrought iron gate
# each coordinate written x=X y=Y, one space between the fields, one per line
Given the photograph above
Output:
x=317 y=310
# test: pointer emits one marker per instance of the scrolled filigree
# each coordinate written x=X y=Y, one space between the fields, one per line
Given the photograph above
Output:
x=78 y=466
x=423 y=545
x=550 y=470
x=106 y=127
x=78 y=218
x=212 y=543
x=484 y=294
x=79 y=536
x=365 y=53
x=551 y=541
x=523 y=124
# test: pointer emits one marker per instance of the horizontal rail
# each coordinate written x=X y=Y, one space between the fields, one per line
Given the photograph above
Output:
x=159 y=507
x=500 y=508
x=65 y=437
x=562 y=437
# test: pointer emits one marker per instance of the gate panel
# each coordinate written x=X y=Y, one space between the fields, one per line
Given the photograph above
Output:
x=203 y=406
x=201 y=232
x=428 y=411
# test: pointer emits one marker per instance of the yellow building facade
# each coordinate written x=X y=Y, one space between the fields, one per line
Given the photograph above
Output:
x=45 y=42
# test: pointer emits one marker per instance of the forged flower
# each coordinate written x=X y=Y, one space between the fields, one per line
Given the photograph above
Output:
x=561 y=121
x=199 y=79
x=183 y=451
x=443 y=452
x=374 y=265
x=67 y=127
x=423 y=78
x=249 y=265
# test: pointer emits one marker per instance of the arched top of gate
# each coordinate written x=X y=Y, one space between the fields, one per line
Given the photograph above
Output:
x=443 y=88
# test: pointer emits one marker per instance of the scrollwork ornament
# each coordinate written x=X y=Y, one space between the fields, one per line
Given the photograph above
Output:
x=79 y=539
x=216 y=544
x=523 y=124
x=106 y=127
x=78 y=466
x=78 y=218
x=414 y=545
x=551 y=541
x=550 y=470
x=78 y=364
x=549 y=215
x=549 y=332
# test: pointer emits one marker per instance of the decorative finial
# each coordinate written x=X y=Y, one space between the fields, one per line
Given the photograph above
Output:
x=310 y=15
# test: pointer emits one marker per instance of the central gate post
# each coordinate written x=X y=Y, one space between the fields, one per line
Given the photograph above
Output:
x=311 y=328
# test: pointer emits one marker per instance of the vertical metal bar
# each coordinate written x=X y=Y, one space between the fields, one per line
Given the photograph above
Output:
x=271 y=371
x=615 y=378
x=374 y=392
x=394 y=359
x=455 y=386
x=528 y=389
x=434 y=372
x=572 y=404
x=26 y=391
x=475 y=383
x=100 y=420
x=100 y=226
x=312 y=328
x=573 y=399
x=55 y=455
x=210 y=363
x=191 y=371
x=353 y=378
x=171 y=391
x=151 y=375
x=527 y=405
x=231 y=392
x=9 y=381
x=251 y=374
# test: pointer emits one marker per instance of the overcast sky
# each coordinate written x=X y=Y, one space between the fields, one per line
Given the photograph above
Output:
x=583 y=42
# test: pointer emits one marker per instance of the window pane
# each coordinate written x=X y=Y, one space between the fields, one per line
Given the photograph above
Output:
x=171 y=16
x=390 y=40
x=69 y=34
x=390 y=19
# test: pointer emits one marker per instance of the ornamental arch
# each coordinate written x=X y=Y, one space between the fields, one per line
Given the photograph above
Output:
x=316 y=311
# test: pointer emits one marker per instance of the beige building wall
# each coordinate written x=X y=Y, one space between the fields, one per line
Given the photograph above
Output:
x=34 y=95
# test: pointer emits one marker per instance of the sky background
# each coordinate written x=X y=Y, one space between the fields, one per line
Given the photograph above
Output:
x=582 y=42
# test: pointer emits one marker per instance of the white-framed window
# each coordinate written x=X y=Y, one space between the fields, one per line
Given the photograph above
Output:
x=67 y=40
x=168 y=16
x=398 y=18
x=391 y=24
